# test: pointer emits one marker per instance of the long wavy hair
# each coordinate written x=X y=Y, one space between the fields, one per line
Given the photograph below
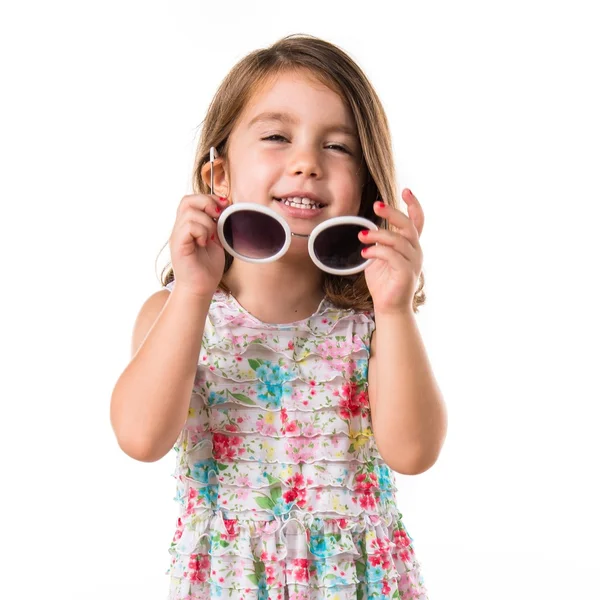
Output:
x=335 y=69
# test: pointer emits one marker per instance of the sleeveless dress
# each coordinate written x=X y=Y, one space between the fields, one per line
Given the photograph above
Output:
x=283 y=494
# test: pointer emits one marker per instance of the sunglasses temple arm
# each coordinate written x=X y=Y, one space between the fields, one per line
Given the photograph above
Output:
x=212 y=160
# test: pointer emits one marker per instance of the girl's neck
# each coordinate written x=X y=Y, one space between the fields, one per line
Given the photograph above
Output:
x=276 y=292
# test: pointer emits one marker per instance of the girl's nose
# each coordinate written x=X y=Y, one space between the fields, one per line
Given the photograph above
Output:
x=306 y=162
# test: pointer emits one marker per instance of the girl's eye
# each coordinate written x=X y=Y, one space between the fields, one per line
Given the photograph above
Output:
x=338 y=147
x=274 y=138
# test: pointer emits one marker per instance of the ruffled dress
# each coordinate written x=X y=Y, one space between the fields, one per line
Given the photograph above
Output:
x=283 y=494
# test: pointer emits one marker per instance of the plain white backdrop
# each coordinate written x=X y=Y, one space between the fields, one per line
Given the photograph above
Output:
x=495 y=122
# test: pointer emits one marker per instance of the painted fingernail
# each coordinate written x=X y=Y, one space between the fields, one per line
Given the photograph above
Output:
x=212 y=237
x=380 y=204
x=363 y=250
x=218 y=209
x=364 y=232
x=222 y=199
x=410 y=192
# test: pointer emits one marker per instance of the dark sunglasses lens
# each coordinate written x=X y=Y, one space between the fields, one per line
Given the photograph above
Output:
x=338 y=246
x=253 y=234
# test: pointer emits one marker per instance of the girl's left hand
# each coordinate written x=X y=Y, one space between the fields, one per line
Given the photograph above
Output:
x=393 y=275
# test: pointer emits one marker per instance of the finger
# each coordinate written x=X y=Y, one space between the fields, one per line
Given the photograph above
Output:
x=396 y=260
x=199 y=225
x=210 y=204
x=387 y=236
x=415 y=210
x=395 y=217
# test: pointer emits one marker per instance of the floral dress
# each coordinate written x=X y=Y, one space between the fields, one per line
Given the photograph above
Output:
x=283 y=493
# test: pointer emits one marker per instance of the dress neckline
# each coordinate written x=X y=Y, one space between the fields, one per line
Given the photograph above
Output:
x=323 y=306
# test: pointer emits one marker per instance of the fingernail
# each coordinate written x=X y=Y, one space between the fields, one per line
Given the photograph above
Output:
x=218 y=209
x=364 y=232
x=380 y=204
x=222 y=199
x=212 y=237
x=410 y=192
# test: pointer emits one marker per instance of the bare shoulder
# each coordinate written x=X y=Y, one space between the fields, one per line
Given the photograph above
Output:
x=148 y=314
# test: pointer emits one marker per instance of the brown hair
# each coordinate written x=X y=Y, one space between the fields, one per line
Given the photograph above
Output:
x=334 y=68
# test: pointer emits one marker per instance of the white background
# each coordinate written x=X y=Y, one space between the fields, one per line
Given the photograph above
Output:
x=494 y=109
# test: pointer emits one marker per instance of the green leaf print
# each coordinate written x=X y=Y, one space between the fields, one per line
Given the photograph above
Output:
x=253 y=578
x=360 y=568
x=255 y=363
x=265 y=502
x=276 y=494
x=243 y=399
x=221 y=466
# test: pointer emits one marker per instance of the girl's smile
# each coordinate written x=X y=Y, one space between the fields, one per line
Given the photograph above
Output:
x=295 y=149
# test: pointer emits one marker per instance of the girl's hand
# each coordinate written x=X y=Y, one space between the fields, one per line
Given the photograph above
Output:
x=393 y=276
x=196 y=254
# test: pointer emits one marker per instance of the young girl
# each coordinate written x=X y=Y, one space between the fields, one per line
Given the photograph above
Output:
x=288 y=411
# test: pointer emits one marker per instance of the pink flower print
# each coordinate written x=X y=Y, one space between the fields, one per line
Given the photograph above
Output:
x=284 y=415
x=290 y=345
x=311 y=431
x=231 y=527
x=365 y=482
x=239 y=358
x=231 y=427
x=227 y=447
x=238 y=571
x=270 y=574
x=300 y=569
x=243 y=481
x=242 y=493
x=266 y=428
x=300 y=449
x=353 y=401
x=300 y=595
x=291 y=427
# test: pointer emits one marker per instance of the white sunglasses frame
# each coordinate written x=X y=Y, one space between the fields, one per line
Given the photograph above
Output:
x=333 y=222
x=250 y=206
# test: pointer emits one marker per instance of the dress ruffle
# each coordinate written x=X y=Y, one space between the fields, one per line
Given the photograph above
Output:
x=301 y=553
x=283 y=492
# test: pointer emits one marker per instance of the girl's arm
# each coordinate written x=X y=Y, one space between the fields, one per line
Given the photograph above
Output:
x=408 y=412
x=150 y=401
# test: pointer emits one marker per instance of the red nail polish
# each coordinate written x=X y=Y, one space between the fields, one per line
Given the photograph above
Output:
x=380 y=204
x=222 y=199
x=218 y=209
x=212 y=237
x=364 y=231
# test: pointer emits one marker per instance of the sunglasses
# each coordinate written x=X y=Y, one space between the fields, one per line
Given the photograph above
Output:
x=257 y=234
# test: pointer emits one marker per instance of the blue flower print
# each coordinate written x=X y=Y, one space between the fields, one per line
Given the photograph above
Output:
x=263 y=592
x=216 y=398
x=361 y=369
x=374 y=573
x=209 y=494
x=385 y=481
x=375 y=590
x=201 y=469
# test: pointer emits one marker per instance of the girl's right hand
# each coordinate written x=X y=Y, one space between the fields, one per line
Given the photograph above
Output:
x=197 y=256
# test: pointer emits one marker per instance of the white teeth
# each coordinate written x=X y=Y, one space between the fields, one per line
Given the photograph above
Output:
x=299 y=202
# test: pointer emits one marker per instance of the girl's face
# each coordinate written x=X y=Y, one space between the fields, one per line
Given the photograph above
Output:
x=295 y=144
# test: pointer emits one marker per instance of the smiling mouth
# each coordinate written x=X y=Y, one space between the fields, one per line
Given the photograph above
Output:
x=300 y=202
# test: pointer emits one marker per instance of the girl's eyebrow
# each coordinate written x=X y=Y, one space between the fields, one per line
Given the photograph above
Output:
x=288 y=119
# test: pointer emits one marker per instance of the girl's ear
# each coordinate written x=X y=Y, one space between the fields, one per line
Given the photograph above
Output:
x=220 y=180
